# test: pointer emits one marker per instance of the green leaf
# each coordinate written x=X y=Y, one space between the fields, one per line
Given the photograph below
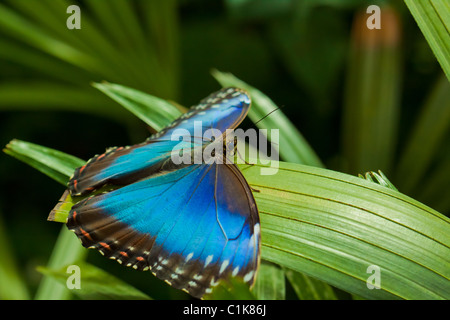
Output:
x=94 y=283
x=155 y=112
x=232 y=289
x=379 y=178
x=427 y=137
x=67 y=250
x=372 y=93
x=308 y=288
x=13 y=286
x=333 y=226
x=270 y=282
x=433 y=18
x=56 y=164
x=292 y=146
x=40 y=96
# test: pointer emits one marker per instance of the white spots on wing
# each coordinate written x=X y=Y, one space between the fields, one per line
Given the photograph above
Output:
x=214 y=283
x=224 y=266
x=256 y=229
x=249 y=276
x=235 y=271
x=198 y=277
x=208 y=259
x=189 y=256
x=179 y=270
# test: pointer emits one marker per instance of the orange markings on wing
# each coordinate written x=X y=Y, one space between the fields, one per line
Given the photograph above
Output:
x=87 y=235
x=82 y=168
x=105 y=245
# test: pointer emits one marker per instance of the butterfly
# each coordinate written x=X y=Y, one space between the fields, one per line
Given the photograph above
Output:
x=190 y=224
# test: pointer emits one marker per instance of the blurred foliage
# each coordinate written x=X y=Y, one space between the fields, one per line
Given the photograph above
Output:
x=364 y=100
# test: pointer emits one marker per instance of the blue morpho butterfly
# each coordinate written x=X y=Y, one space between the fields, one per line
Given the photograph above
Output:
x=189 y=224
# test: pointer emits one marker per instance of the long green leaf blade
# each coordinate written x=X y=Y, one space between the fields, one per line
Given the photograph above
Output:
x=332 y=227
x=371 y=101
x=94 y=283
x=308 y=288
x=155 y=112
x=56 y=164
x=433 y=18
x=67 y=250
x=270 y=282
x=428 y=135
x=13 y=286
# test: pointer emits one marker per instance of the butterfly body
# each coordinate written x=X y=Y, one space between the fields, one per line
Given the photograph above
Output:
x=190 y=224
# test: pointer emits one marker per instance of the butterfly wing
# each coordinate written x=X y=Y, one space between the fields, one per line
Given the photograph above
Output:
x=191 y=227
x=224 y=109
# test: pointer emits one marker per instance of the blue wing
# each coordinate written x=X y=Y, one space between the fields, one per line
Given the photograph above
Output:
x=191 y=226
x=224 y=109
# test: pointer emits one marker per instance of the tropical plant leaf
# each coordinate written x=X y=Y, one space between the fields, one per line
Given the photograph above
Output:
x=270 y=282
x=155 y=112
x=308 y=288
x=426 y=139
x=94 y=283
x=13 y=285
x=332 y=226
x=67 y=250
x=433 y=18
x=232 y=289
x=379 y=178
x=56 y=164
x=372 y=92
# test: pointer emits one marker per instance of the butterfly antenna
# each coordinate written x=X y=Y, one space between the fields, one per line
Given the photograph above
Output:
x=278 y=108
